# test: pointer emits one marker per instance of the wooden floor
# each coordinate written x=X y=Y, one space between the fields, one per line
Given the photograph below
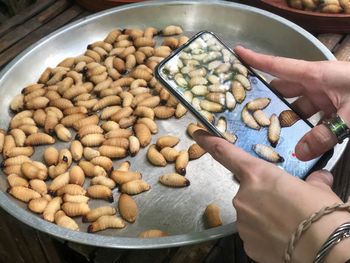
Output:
x=19 y=243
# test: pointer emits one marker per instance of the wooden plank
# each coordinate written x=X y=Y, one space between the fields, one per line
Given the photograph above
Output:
x=144 y=256
x=8 y=242
x=193 y=253
x=342 y=52
x=49 y=247
x=330 y=40
x=36 y=35
x=240 y=256
x=14 y=227
x=87 y=252
x=85 y=13
x=228 y=250
x=24 y=15
x=29 y=26
x=341 y=184
x=68 y=255
x=103 y=255
x=32 y=243
x=222 y=251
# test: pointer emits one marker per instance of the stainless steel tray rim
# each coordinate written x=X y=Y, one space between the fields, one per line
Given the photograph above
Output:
x=87 y=19
x=126 y=242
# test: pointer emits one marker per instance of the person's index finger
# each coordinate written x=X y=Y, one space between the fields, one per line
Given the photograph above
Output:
x=287 y=88
x=233 y=158
x=283 y=68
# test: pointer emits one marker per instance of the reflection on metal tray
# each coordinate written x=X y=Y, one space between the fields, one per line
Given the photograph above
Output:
x=178 y=211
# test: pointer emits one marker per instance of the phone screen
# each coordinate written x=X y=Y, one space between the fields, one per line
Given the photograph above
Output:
x=234 y=103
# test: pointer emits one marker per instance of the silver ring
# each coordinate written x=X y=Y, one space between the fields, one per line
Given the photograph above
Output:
x=338 y=127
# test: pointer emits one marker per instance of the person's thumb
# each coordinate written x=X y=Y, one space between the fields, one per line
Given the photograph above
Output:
x=322 y=179
x=314 y=143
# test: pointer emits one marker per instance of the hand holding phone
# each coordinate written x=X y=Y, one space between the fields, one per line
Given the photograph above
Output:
x=234 y=102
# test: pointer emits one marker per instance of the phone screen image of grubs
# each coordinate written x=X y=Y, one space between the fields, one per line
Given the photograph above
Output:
x=235 y=103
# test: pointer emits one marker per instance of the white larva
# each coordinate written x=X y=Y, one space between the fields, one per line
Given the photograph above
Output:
x=267 y=153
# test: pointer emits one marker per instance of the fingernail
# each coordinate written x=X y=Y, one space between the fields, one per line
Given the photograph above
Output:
x=327 y=176
x=239 y=47
x=304 y=149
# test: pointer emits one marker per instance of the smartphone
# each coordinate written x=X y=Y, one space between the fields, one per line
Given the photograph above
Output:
x=234 y=102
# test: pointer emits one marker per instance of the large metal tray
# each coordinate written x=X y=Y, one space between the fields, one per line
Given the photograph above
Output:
x=177 y=211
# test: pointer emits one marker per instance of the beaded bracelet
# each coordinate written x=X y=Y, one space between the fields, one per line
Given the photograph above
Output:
x=306 y=224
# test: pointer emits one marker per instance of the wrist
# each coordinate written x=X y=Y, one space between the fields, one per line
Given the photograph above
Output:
x=340 y=253
x=317 y=234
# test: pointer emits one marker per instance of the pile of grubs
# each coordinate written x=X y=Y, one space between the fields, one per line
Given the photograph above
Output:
x=104 y=103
